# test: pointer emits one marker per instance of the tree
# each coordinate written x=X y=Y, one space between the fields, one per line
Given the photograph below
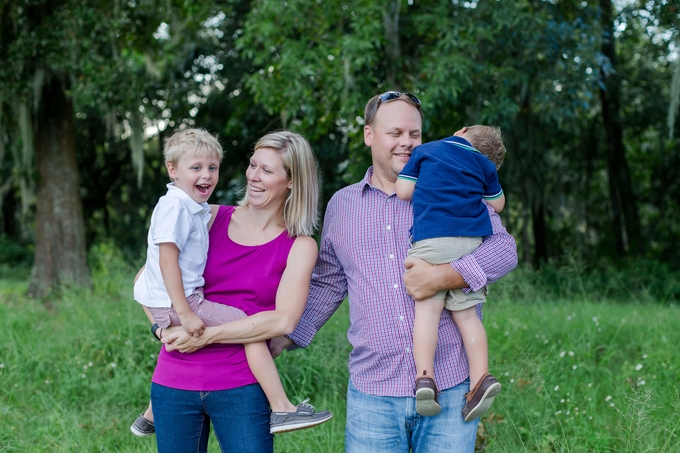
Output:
x=60 y=228
x=98 y=56
x=36 y=83
x=626 y=222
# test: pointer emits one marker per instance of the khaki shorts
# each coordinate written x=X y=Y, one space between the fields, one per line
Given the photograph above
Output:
x=445 y=250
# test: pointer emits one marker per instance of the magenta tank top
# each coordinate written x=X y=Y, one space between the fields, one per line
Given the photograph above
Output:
x=245 y=277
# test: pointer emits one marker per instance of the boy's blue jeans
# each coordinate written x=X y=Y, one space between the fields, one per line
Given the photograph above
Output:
x=379 y=424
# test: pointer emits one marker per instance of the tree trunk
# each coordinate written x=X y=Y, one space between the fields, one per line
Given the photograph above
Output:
x=60 y=256
x=540 y=236
x=590 y=145
x=392 y=45
x=626 y=222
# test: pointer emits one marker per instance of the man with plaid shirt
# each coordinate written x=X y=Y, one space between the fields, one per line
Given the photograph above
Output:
x=363 y=250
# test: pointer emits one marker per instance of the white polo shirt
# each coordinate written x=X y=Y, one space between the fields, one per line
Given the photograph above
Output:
x=180 y=220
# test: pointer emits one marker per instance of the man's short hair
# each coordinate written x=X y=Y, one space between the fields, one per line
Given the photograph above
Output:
x=371 y=109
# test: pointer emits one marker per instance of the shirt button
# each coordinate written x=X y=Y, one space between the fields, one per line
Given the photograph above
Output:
x=389 y=227
x=392 y=256
x=396 y=286
x=408 y=349
x=401 y=318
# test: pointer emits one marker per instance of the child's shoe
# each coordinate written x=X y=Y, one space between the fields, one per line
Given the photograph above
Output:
x=142 y=427
x=427 y=396
x=304 y=417
x=479 y=399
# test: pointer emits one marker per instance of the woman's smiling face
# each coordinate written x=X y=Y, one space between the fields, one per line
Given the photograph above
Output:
x=267 y=179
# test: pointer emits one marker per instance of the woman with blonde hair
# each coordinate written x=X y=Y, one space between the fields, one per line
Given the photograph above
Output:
x=260 y=260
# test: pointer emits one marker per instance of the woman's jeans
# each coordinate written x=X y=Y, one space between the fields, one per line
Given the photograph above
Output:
x=240 y=418
x=388 y=424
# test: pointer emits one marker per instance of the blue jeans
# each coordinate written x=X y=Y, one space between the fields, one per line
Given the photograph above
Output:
x=379 y=424
x=239 y=416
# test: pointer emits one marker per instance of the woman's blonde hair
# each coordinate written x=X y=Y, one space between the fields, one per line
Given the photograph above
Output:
x=301 y=208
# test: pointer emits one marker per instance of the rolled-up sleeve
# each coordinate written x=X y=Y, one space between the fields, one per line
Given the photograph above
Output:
x=492 y=260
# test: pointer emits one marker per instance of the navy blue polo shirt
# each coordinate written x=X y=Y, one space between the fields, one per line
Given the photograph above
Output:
x=451 y=179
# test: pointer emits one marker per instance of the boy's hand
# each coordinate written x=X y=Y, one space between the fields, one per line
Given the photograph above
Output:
x=278 y=344
x=192 y=324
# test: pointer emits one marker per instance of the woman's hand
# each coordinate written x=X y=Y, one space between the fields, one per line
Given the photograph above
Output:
x=176 y=339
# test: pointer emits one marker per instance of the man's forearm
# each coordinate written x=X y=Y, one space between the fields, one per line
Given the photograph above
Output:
x=492 y=260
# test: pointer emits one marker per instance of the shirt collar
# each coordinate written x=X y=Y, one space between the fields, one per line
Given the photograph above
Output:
x=461 y=141
x=366 y=182
x=189 y=202
x=366 y=185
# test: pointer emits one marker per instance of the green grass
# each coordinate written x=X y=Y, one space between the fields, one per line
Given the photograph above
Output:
x=581 y=377
x=579 y=373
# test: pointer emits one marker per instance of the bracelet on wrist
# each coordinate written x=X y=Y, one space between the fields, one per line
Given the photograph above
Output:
x=154 y=328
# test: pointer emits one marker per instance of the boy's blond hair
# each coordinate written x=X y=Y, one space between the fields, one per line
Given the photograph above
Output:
x=488 y=141
x=198 y=142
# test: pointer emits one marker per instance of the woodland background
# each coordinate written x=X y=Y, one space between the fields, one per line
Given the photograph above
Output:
x=586 y=92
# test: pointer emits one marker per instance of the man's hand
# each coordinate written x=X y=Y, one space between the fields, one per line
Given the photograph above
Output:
x=192 y=324
x=423 y=280
x=278 y=344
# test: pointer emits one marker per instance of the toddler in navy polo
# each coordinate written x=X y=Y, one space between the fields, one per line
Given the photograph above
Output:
x=447 y=181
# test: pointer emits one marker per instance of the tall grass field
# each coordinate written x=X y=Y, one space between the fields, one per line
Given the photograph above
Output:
x=587 y=365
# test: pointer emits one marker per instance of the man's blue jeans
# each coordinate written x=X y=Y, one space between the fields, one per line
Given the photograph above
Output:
x=239 y=416
x=379 y=424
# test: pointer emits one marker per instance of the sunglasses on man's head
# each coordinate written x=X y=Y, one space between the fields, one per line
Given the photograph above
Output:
x=392 y=95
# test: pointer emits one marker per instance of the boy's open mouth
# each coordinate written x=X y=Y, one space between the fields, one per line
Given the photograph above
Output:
x=203 y=188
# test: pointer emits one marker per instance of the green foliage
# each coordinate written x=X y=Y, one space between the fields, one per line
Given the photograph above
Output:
x=582 y=369
x=243 y=68
x=640 y=281
x=582 y=376
x=15 y=259
x=14 y=253
x=75 y=377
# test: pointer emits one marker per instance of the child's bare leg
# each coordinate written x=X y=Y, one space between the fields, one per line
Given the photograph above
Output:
x=425 y=334
x=474 y=339
x=148 y=414
x=262 y=365
x=143 y=425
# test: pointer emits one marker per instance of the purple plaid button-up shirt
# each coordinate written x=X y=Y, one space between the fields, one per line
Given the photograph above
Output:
x=363 y=246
